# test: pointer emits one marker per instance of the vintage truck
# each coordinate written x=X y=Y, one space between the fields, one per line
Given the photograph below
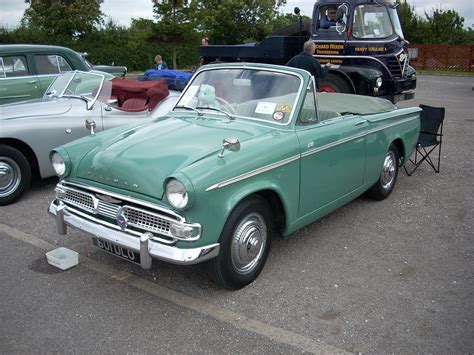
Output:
x=366 y=46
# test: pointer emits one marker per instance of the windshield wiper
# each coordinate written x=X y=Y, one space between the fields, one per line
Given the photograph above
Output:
x=189 y=108
x=218 y=110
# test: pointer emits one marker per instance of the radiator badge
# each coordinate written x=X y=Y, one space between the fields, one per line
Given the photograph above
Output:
x=122 y=221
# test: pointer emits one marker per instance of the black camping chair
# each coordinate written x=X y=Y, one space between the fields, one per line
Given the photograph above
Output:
x=430 y=138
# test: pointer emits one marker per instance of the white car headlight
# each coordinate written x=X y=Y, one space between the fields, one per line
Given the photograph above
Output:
x=176 y=194
x=58 y=163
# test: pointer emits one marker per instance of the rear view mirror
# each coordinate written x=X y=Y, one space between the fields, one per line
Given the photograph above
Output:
x=341 y=18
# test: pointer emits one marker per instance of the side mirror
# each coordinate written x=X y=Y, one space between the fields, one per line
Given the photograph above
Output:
x=232 y=144
x=90 y=125
x=341 y=18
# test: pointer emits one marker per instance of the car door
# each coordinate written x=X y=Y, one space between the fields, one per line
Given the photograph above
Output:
x=17 y=82
x=333 y=155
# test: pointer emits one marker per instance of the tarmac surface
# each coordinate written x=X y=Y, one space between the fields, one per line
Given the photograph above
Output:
x=394 y=276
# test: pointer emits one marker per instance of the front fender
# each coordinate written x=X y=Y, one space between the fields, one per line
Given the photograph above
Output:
x=212 y=208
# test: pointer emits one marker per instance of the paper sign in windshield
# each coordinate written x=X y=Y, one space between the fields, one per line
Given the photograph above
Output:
x=265 y=108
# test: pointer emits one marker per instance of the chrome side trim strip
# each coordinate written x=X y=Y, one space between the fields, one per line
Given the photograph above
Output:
x=360 y=42
x=253 y=173
x=331 y=145
x=353 y=57
x=14 y=97
x=303 y=155
x=390 y=125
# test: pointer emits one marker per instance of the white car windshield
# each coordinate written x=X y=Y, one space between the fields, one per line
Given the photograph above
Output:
x=77 y=84
x=252 y=93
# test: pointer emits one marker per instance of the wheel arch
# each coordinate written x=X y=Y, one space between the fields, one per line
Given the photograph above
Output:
x=26 y=150
x=398 y=143
x=343 y=76
x=273 y=198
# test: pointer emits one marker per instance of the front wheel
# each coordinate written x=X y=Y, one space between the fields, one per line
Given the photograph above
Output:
x=388 y=176
x=245 y=243
x=334 y=84
x=15 y=174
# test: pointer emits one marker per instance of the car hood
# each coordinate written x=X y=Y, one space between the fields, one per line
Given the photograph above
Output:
x=141 y=158
x=35 y=108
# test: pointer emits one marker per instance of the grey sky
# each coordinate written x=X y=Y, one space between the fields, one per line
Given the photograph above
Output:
x=122 y=11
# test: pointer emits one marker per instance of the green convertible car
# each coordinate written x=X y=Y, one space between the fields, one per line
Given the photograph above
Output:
x=248 y=151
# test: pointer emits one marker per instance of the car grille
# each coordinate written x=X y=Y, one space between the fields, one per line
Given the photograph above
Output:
x=140 y=218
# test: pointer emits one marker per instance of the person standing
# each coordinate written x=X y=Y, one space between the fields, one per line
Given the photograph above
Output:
x=160 y=64
x=306 y=61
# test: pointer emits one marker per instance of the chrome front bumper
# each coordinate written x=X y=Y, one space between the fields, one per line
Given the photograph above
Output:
x=144 y=245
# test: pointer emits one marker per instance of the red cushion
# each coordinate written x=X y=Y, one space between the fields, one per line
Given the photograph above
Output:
x=134 y=104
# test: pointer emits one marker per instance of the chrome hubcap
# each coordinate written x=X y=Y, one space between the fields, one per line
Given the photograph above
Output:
x=248 y=243
x=389 y=170
x=10 y=176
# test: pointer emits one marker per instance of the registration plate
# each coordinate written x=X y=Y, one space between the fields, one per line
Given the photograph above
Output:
x=117 y=250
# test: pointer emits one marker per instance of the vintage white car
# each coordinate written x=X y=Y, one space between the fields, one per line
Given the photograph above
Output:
x=30 y=130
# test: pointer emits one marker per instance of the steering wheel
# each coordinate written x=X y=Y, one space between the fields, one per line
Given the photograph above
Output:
x=229 y=108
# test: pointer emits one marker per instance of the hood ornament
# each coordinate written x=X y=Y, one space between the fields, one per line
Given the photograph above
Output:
x=232 y=144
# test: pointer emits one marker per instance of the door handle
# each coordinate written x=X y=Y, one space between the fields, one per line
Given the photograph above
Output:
x=360 y=122
x=32 y=82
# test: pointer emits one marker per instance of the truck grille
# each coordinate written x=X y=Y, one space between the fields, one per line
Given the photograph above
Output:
x=140 y=218
x=394 y=67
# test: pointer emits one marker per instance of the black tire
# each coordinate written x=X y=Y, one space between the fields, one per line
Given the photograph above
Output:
x=388 y=176
x=334 y=83
x=15 y=174
x=245 y=243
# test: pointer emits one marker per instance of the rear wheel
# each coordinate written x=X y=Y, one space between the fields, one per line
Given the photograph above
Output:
x=333 y=83
x=245 y=243
x=388 y=176
x=15 y=174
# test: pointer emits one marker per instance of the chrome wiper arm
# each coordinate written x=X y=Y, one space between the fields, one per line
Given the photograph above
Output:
x=218 y=110
x=189 y=108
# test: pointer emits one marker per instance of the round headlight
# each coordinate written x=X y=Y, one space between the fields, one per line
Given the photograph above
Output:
x=176 y=194
x=58 y=163
x=378 y=82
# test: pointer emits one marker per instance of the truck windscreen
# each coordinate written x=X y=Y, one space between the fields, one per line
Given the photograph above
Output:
x=372 y=21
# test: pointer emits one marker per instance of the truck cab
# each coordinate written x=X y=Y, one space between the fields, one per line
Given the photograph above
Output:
x=363 y=40
x=365 y=43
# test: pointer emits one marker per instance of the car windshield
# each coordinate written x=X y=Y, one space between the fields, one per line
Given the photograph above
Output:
x=252 y=93
x=372 y=21
x=84 y=85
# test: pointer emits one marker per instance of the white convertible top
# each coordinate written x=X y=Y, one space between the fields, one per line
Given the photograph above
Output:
x=353 y=104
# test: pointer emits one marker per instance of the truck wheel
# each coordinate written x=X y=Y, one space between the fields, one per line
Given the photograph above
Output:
x=388 y=176
x=333 y=83
x=245 y=243
x=15 y=174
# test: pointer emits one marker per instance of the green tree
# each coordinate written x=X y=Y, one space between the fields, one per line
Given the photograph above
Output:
x=64 y=18
x=237 y=21
x=175 y=23
x=414 y=27
x=446 y=26
x=441 y=26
